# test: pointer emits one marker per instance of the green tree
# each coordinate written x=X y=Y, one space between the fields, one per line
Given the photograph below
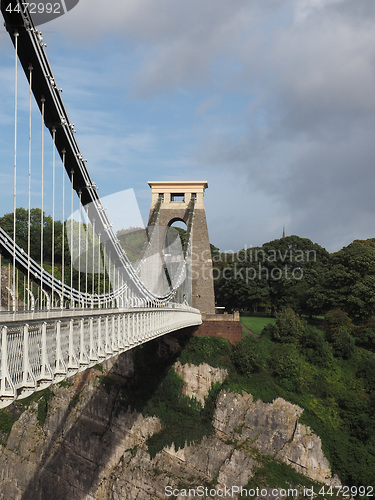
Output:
x=294 y=265
x=289 y=368
x=338 y=327
x=342 y=342
x=348 y=282
x=289 y=327
x=248 y=356
x=335 y=319
x=278 y=274
x=364 y=334
x=236 y=288
x=315 y=348
x=6 y=222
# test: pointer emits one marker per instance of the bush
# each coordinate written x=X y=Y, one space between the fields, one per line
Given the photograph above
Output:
x=184 y=420
x=272 y=473
x=289 y=368
x=316 y=349
x=43 y=406
x=342 y=343
x=335 y=319
x=215 y=351
x=248 y=356
x=365 y=334
x=6 y=422
x=289 y=327
x=367 y=372
x=354 y=411
x=338 y=327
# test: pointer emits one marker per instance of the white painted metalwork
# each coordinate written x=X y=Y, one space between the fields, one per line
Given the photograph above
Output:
x=42 y=202
x=37 y=353
x=15 y=164
x=29 y=192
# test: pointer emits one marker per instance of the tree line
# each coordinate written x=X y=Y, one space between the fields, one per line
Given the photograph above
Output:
x=61 y=245
x=295 y=272
x=6 y=223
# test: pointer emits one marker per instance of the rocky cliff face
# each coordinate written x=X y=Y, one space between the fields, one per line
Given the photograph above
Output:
x=198 y=380
x=273 y=429
x=88 y=447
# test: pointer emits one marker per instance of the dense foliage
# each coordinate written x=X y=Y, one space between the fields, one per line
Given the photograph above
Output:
x=60 y=248
x=348 y=282
x=184 y=420
x=322 y=371
x=297 y=273
x=278 y=475
x=6 y=222
x=278 y=274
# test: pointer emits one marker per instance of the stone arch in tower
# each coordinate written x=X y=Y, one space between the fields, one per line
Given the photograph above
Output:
x=184 y=201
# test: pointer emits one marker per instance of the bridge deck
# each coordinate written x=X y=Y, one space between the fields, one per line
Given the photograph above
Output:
x=20 y=317
x=36 y=352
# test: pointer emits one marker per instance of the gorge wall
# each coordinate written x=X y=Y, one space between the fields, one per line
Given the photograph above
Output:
x=90 y=445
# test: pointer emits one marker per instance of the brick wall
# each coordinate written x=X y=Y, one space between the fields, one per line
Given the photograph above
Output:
x=231 y=330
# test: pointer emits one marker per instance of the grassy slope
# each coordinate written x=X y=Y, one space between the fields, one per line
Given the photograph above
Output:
x=256 y=324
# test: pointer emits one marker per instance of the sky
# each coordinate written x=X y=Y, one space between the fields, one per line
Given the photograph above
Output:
x=272 y=102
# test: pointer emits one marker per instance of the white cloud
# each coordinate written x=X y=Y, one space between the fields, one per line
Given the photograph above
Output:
x=274 y=99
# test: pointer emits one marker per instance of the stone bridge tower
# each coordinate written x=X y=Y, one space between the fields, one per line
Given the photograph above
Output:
x=184 y=201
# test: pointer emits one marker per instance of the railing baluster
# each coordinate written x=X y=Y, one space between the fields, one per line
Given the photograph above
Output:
x=93 y=354
x=29 y=383
x=46 y=375
x=120 y=337
x=7 y=389
x=73 y=364
x=108 y=350
x=101 y=348
x=126 y=329
x=83 y=357
x=114 y=336
x=60 y=368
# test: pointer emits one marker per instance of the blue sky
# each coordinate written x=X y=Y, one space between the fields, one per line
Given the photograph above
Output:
x=271 y=102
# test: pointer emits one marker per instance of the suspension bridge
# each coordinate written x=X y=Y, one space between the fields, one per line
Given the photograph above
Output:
x=63 y=311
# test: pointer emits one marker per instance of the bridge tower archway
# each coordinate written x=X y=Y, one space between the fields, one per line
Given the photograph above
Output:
x=184 y=201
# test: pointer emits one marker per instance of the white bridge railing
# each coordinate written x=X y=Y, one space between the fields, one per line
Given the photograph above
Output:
x=36 y=354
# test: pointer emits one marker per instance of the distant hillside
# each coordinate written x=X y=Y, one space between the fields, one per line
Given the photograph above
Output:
x=134 y=242
x=295 y=272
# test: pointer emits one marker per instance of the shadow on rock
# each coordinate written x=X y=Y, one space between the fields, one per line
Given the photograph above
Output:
x=90 y=424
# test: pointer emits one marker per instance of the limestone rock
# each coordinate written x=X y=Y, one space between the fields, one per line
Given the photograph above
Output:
x=273 y=429
x=198 y=380
x=304 y=453
x=236 y=469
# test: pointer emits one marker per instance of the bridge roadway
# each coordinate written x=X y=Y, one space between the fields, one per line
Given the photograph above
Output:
x=41 y=348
